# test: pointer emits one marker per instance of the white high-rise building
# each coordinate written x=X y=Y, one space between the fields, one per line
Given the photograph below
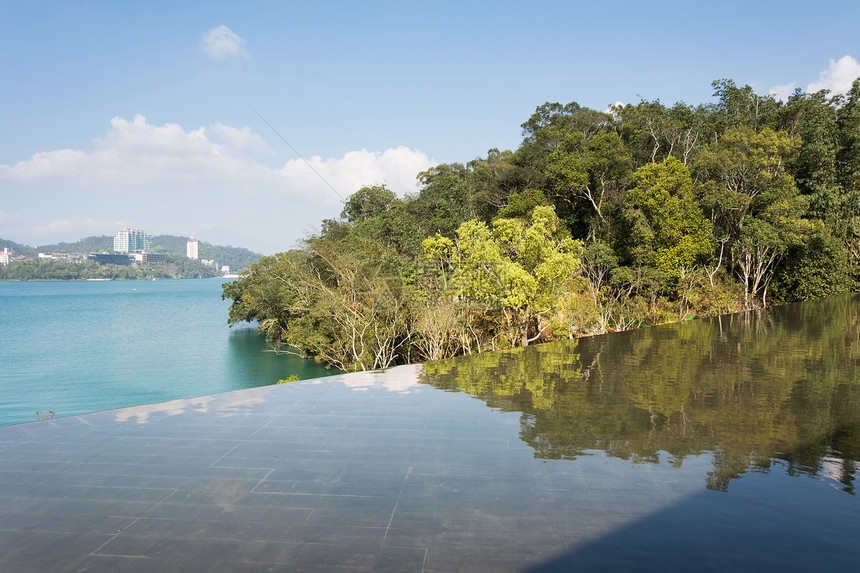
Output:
x=132 y=241
x=191 y=248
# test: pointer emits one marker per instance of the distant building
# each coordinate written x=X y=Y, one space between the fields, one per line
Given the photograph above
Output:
x=5 y=256
x=76 y=257
x=149 y=257
x=110 y=258
x=131 y=241
x=191 y=248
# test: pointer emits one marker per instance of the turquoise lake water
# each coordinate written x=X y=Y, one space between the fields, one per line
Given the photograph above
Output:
x=84 y=346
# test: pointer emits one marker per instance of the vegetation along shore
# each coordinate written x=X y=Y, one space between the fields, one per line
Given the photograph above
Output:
x=600 y=221
x=70 y=261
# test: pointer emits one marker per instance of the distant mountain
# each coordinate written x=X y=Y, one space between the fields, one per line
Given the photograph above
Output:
x=86 y=245
x=17 y=248
x=235 y=257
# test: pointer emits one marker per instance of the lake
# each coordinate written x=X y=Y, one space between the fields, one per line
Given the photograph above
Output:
x=84 y=346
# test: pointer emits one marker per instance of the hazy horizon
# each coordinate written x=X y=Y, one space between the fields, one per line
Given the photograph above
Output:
x=111 y=236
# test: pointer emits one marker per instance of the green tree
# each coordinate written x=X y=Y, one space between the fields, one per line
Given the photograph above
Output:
x=551 y=123
x=668 y=228
x=815 y=267
x=848 y=174
x=754 y=201
x=591 y=170
x=518 y=267
x=521 y=205
x=654 y=132
x=445 y=200
x=741 y=107
x=362 y=306
x=497 y=177
x=368 y=202
x=269 y=292
x=597 y=263
x=812 y=118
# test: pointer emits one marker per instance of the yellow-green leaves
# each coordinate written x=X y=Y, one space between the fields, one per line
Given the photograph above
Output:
x=437 y=247
x=521 y=266
x=671 y=231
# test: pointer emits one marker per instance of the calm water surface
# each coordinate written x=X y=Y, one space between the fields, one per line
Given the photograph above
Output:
x=84 y=346
x=776 y=389
x=730 y=443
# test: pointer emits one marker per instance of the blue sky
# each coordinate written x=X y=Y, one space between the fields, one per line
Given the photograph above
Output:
x=154 y=114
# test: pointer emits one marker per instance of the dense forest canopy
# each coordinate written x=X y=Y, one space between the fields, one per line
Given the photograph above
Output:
x=599 y=221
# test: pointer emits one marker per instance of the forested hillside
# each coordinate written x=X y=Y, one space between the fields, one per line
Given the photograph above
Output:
x=173 y=267
x=235 y=257
x=599 y=221
x=17 y=248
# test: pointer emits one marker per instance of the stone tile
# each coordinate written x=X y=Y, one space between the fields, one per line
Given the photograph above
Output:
x=102 y=494
x=271 y=509
x=64 y=546
x=50 y=522
x=338 y=535
x=349 y=510
x=113 y=563
x=317 y=476
x=206 y=551
x=345 y=482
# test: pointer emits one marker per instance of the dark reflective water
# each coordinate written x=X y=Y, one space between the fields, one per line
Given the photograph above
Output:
x=774 y=390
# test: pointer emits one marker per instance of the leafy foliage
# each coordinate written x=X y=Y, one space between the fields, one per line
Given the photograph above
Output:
x=599 y=221
x=668 y=230
x=69 y=270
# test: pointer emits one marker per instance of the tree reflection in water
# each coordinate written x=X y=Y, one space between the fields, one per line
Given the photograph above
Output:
x=751 y=388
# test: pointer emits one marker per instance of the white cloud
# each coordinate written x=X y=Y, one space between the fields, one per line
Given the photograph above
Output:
x=838 y=77
x=165 y=178
x=222 y=43
x=240 y=139
x=782 y=93
x=137 y=154
x=396 y=168
x=613 y=107
x=132 y=155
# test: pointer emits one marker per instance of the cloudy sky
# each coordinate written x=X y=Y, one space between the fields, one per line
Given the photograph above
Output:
x=248 y=123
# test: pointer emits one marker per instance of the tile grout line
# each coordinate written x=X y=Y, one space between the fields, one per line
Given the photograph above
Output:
x=300 y=414
x=262 y=479
x=136 y=519
x=396 y=503
x=224 y=455
x=68 y=469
